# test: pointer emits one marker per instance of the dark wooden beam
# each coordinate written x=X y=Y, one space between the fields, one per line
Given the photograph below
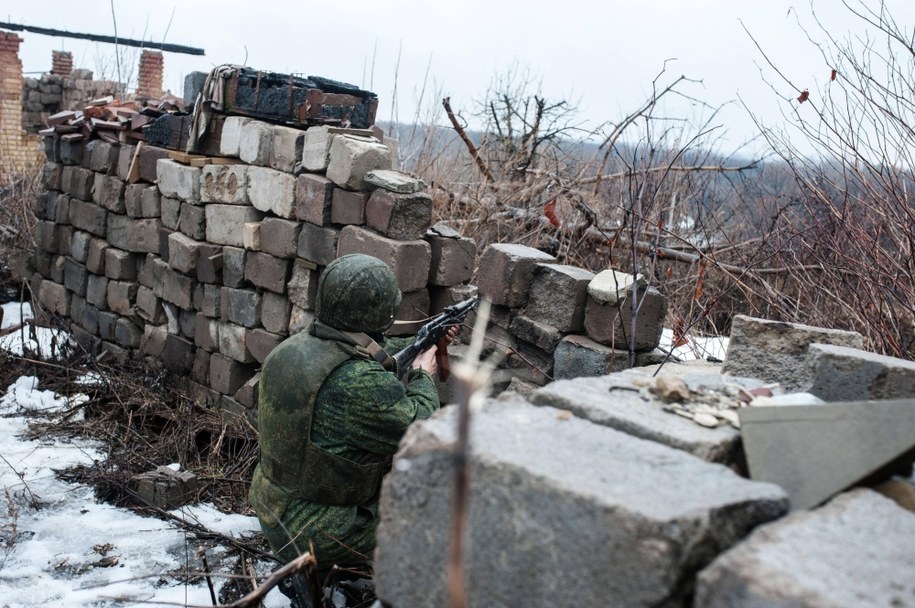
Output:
x=145 y=44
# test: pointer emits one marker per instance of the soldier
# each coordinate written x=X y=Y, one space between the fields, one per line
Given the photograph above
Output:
x=331 y=412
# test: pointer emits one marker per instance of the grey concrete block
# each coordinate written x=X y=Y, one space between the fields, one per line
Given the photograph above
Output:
x=206 y=333
x=153 y=341
x=453 y=257
x=88 y=216
x=127 y=333
x=209 y=263
x=840 y=373
x=279 y=237
x=165 y=488
x=107 y=321
x=394 y=181
x=133 y=197
x=120 y=265
x=228 y=375
x=80 y=182
x=509 y=273
x=558 y=296
x=201 y=370
x=178 y=181
x=404 y=217
x=192 y=221
x=256 y=142
x=148 y=158
x=267 y=271
x=97 y=291
x=183 y=252
x=54 y=297
x=313 y=199
x=302 y=286
x=241 y=306
x=316 y=147
x=75 y=276
x=271 y=191
x=410 y=260
x=150 y=204
x=275 y=313
x=122 y=296
x=125 y=158
x=83 y=314
x=351 y=157
x=230 y=140
x=71 y=151
x=226 y=184
x=777 y=352
x=543 y=336
x=177 y=289
x=207 y=299
x=233 y=266
x=285 y=148
x=348 y=208
x=611 y=324
x=260 y=342
x=50 y=176
x=846 y=553
x=103 y=157
x=626 y=526
x=224 y=223
x=170 y=212
x=95 y=256
x=299 y=319
x=149 y=307
x=318 y=245
x=108 y=191
x=232 y=343
x=178 y=354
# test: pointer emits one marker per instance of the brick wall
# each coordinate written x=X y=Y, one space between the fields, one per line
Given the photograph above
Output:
x=18 y=150
x=149 y=80
x=61 y=63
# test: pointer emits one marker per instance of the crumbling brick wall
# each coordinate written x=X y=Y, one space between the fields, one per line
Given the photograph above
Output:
x=18 y=150
x=149 y=79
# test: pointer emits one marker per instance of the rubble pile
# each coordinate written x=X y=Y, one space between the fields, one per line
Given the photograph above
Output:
x=108 y=119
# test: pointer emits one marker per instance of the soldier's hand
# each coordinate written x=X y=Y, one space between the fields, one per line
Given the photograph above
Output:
x=426 y=361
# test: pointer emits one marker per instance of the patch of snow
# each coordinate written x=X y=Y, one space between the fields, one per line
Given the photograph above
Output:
x=47 y=342
x=696 y=347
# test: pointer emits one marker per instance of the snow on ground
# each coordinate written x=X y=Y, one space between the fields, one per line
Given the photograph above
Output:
x=72 y=550
x=696 y=347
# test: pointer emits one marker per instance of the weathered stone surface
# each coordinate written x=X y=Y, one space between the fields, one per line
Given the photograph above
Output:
x=777 y=352
x=125 y=158
x=75 y=276
x=453 y=257
x=839 y=373
x=247 y=394
x=54 y=297
x=313 y=199
x=414 y=306
x=509 y=273
x=299 y=319
x=623 y=401
x=318 y=245
x=192 y=221
x=207 y=299
x=317 y=143
x=228 y=375
x=558 y=296
x=348 y=208
x=409 y=259
x=232 y=342
x=108 y=191
x=230 y=140
x=267 y=271
x=611 y=286
x=625 y=526
x=611 y=324
x=279 y=237
x=303 y=286
x=404 y=217
x=103 y=157
x=177 y=289
x=201 y=370
x=135 y=235
x=120 y=265
x=170 y=212
x=846 y=553
x=165 y=488
x=241 y=306
x=271 y=190
x=97 y=291
x=275 y=313
x=127 y=333
x=260 y=342
x=227 y=184
x=149 y=307
x=88 y=216
x=233 y=266
x=95 y=256
x=543 y=336
x=153 y=341
x=50 y=176
x=224 y=223
x=149 y=156
x=394 y=181
x=122 y=296
x=79 y=184
x=251 y=236
x=178 y=354
x=209 y=263
x=256 y=142
x=133 y=197
x=183 y=252
x=107 y=322
x=285 y=148
x=351 y=157
x=46 y=236
x=71 y=151
x=178 y=181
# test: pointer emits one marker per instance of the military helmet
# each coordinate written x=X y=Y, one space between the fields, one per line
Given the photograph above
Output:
x=358 y=292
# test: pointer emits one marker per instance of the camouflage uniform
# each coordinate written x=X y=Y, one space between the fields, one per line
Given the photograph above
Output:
x=331 y=417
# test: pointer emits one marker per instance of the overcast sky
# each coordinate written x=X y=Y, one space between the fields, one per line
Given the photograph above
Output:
x=602 y=54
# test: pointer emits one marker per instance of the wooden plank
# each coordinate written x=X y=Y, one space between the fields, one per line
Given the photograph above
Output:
x=133 y=174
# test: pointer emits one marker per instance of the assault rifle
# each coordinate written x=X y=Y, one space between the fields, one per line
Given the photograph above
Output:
x=432 y=333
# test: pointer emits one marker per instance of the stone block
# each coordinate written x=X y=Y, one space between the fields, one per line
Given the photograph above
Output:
x=233 y=266
x=414 y=306
x=178 y=354
x=230 y=139
x=271 y=191
x=64 y=238
x=165 y=488
x=611 y=324
x=247 y=394
x=150 y=205
x=153 y=341
x=54 y=298
x=170 y=212
x=83 y=314
x=178 y=181
x=275 y=313
x=209 y=264
x=201 y=370
x=394 y=181
x=133 y=196
x=183 y=252
x=267 y=271
x=404 y=217
x=285 y=148
x=122 y=296
x=630 y=533
x=251 y=236
x=846 y=553
x=302 y=286
x=127 y=333
x=840 y=373
x=50 y=176
x=164 y=234
x=88 y=342
x=136 y=235
x=177 y=289
x=71 y=151
x=125 y=159
x=95 y=256
x=59 y=208
x=206 y=333
x=57 y=269
x=187 y=323
x=103 y=157
x=192 y=221
x=260 y=342
x=299 y=319
x=453 y=257
x=97 y=291
x=149 y=306
x=80 y=183
x=232 y=342
x=509 y=273
x=224 y=223
x=46 y=236
x=410 y=260
x=317 y=143
x=120 y=265
x=207 y=299
x=75 y=276
x=558 y=296
x=775 y=351
x=116 y=231
x=351 y=157
x=88 y=216
x=318 y=245
x=148 y=159
x=228 y=375
x=347 y=207
x=240 y=306
x=279 y=237
x=107 y=321
x=313 y=199
x=226 y=184
x=51 y=147
x=255 y=142
x=543 y=336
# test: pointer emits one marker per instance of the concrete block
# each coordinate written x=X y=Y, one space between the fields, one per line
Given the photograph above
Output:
x=267 y=271
x=627 y=534
x=410 y=260
x=97 y=291
x=302 y=286
x=207 y=299
x=88 y=342
x=103 y=157
x=153 y=341
x=120 y=265
x=133 y=197
x=247 y=394
x=271 y=191
x=178 y=354
x=240 y=306
x=394 y=181
x=75 y=276
x=206 y=333
x=51 y=147
x=232 y=342
x=453 y=256
x=192 y=221
x=201 y=370
x=351 y=157
x=183 y=252
x=177 y=289
x=251 y=236
x=558 y=296
x=83 y=314
x=95 y=256
x=543 y=336
x=299 y=319
x=50 y=176
x=178 y=181
x=170 y=212
x=777 y=352
x=64 y=238
x=840 y=373
x=317 y=245
x=275 y=313
x=54 y=297
x=122 y=296
x=165 y=488
x=228 y=375
x=127 y=333
x=148 y=159
x=611 y=324
x=233 y=266
x=71 y=151
x=125 y=158
x=846 y=553
x=57 y=269
x=404 y=217
x=46 y=236
x=286 y=148
x=80 y=184
x=414 y=306
x=108 y=192
x=150 y=205
x=107 y=321
x=230 y=140
x=509 y=273
x=224 y=223
x=209 y=264
x=88 y=216
x=279 y=237
x=348 y=208
x=116 y=231
x=142 y=234
x=313 y=199
x=226 y=184
x=260 y=342
x=317 y=143
x=187 y=323
x=256 y=142
x=149 y=307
